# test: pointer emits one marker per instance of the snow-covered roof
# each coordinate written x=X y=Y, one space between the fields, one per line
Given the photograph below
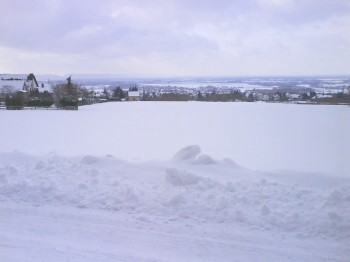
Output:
x=45 y=87
x=14 y=85
x=293 y=95
x=134 y=93
x=324 y=96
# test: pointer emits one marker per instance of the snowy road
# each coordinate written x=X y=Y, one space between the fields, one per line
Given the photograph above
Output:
x=31 y=233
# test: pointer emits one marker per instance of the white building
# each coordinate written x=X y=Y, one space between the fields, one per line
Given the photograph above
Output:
x=134 y=96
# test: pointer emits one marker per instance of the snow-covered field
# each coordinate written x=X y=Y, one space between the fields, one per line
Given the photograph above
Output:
x=176 y=182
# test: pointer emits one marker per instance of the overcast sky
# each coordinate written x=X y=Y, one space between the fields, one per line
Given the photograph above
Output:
x=175 y=37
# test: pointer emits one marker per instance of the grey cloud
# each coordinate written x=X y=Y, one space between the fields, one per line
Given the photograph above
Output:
x=222 y=29
x=49 y=25
x=61 y=29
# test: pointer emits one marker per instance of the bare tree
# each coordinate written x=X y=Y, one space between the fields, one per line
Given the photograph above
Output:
x=66 y=95
x=5 y=91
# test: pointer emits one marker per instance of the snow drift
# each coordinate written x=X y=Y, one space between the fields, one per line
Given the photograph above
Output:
x=182 y=188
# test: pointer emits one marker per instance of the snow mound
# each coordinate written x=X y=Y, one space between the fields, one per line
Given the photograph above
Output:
x=198 y=193
x=187 y=153
x=192 y=154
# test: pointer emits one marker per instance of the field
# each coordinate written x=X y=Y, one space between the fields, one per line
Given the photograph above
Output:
x=176 y=182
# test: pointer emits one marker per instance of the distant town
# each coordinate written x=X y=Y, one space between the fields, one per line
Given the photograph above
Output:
x=26 y=91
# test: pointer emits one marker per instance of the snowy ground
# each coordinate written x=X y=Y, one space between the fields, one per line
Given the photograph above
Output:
x=105 y=183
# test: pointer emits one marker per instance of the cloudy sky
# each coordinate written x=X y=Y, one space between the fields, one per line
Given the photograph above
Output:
x=175 y=37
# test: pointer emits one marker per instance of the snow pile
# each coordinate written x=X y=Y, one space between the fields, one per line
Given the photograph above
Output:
x=191 y=186
x=191 y=154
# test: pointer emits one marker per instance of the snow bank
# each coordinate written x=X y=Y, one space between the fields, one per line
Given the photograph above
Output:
x=183 y=188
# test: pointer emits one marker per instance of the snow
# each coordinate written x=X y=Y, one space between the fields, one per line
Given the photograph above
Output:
x=259 y=136
x=6 y=80
x=45 y=87
x=75 y=192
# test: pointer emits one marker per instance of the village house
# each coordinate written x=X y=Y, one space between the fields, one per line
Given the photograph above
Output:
x=18 y=82
x=13 y=83
x=17 y=90
x=134 y=96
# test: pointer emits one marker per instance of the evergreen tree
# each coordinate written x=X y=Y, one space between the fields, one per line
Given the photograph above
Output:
x=134 y=88
x=199 y=96
x=118 y=94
